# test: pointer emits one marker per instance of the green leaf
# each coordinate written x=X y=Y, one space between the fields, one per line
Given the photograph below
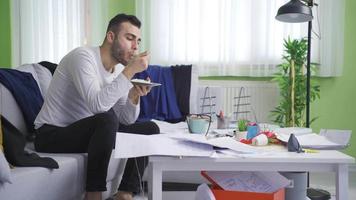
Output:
x=296 y=51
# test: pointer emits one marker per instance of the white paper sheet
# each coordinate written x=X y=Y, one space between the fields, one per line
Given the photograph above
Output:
x=341 y=137
x=311 y=140
x=222 y=142
x=294 y=130
x=267 y=182
x=134 y=145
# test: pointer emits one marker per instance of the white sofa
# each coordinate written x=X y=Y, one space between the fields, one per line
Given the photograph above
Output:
x=38 y=183
x=68 y=182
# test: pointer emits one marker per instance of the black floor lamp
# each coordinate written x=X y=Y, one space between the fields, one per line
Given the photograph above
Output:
x=298 y=11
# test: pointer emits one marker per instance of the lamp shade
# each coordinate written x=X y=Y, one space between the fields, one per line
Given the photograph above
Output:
x=294 y=12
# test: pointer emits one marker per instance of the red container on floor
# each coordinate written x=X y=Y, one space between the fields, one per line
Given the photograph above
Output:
x=236 y=195
x=221 y=194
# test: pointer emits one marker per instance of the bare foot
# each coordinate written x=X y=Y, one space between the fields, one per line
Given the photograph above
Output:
x=122 y=195
x=92 y=196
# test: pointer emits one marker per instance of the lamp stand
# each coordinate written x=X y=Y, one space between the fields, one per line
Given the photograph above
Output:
x=296 y=11
x=312 y=193
x=308 y=77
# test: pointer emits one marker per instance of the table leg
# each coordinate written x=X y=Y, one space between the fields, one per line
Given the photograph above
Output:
x=342 y=182
x=155 y=183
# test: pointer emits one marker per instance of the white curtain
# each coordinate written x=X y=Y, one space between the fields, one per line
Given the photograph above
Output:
x=331 y=46
x=234 y=37
x=49 y=29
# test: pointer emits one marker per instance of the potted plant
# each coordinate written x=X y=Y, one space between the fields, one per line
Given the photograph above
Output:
x=291 y=79
x=242 y=124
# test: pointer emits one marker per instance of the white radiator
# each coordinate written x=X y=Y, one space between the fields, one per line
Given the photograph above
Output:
x=252 y=100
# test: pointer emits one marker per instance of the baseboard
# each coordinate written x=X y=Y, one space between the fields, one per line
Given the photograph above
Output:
x=169 y=186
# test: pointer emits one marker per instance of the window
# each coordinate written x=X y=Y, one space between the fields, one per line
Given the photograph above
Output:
x=235 y=37
x=49 y=29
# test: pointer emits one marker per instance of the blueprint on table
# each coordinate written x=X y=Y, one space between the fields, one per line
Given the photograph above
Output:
x=134 y=145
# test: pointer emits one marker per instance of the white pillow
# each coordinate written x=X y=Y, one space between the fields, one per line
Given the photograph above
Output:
x=5 y=175
x=44 y=77
x=41 y=74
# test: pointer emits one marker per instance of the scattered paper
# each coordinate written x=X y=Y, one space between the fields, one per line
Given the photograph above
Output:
x=226 y=153
x=135 y=145
x=221 y=142
x=294 y=130
x=311 y=140
x=341 y=137
x=222 y=132
x=267 y=182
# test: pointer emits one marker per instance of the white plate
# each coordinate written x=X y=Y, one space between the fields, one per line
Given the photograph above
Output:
x=144 y=82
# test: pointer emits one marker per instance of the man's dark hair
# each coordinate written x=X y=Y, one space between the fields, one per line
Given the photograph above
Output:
x=114 y=24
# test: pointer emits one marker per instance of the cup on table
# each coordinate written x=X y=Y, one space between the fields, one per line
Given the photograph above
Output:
x=198 y=124
x=252 y=130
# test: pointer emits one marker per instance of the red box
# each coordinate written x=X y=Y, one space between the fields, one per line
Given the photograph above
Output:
x=221 y=194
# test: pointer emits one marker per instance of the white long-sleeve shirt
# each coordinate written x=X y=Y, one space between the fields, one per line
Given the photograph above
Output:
x=81 y=87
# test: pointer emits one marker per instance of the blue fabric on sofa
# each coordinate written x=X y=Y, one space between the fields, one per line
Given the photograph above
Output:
x=26 y=92
x=161 y=102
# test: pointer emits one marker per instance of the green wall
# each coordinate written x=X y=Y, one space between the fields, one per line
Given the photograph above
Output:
x=337 y=105
x=121 y=6
x=5 y=34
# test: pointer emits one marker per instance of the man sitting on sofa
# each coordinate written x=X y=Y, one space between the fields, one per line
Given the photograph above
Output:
x=90 y=98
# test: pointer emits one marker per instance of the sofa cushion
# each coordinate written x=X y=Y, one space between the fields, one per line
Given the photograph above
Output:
x=67 y=182
x=42 y=183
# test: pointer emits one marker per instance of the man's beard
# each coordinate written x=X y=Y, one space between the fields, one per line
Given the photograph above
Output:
x=118 y=54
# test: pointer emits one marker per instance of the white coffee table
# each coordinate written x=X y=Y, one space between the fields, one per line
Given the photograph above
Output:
x=324 y=161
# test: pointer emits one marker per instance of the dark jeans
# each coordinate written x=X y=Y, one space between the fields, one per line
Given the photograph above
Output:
x=95 y=135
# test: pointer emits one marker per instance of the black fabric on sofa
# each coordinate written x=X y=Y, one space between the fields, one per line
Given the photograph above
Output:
x=181 y=81
x=14 y=145
x=49 y=65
